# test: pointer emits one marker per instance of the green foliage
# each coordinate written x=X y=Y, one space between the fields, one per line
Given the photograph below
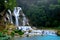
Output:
x=43 y=13
x=5 y=30
x=1 y=34
x=12 y=33
x=59 y=1
x=4 y=36
x=44 y=16
x=10 y=4
x=19 y=32
x=16 y=31
x=7 y=4
x=53 y=7
x=2 y=5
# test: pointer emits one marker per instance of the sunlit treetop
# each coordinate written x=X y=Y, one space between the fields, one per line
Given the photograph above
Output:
x=7 y=4
x=59 y=1
x=10 y=4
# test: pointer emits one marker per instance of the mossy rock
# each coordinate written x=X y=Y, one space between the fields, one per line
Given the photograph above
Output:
x=58 y=33
x=10 y=26
x=2 y=27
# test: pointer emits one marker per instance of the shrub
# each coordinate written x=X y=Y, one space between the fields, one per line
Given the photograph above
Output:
x=19 y=32
x=12 y=33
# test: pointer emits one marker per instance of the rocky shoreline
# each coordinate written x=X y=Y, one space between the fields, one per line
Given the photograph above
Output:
x=29 y=31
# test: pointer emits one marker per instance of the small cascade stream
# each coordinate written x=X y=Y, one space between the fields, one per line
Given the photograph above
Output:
x=24 y=18
x=25 y=21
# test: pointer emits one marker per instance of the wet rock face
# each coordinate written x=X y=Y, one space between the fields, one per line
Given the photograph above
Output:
x=16 y=17
x=58 y=33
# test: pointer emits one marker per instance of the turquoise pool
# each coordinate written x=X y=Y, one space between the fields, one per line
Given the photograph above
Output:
x=46 y=37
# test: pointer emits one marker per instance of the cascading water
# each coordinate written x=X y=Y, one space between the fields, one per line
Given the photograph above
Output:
x=10 y=16
x=16 y=14
x=49 y=32
x=14 y=17
x=25 y=20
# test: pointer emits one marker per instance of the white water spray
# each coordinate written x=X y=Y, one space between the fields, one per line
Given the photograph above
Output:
x=25 y=20
x=16 y=14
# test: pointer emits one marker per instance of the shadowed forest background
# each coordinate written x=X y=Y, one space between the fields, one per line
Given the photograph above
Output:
x=42 y=13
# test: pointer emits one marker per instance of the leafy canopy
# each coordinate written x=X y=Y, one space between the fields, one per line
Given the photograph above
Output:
x=10 y=4
x=7 y=4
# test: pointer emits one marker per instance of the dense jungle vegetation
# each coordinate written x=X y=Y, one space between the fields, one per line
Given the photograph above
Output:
x=42 y=13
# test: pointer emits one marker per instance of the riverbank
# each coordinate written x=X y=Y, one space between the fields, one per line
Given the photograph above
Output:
x=49 y=28
x=30 y=31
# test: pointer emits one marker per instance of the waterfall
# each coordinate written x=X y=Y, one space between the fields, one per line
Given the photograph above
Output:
x=17 y=17
x=16 y=14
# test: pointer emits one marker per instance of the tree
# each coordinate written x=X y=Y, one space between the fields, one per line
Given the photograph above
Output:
x=7 y=4
x=10 y=4
x=58 y=1
x=2 y=5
